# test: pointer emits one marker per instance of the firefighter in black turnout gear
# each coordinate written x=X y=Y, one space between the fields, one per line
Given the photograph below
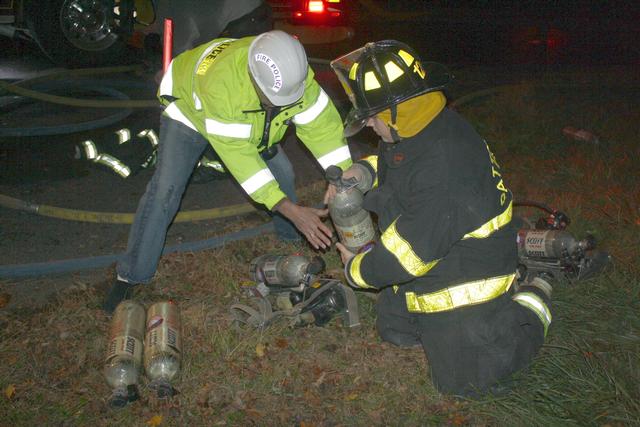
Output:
x=445 y=262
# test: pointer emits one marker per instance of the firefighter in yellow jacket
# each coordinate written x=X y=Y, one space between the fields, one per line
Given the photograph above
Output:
x=239 y=96
x=445 y=263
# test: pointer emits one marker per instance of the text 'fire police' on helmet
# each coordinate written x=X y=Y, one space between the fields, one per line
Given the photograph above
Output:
x=382 y=74
x=278 y=64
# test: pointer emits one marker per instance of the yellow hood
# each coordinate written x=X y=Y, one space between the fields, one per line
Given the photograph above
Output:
x=415 y=114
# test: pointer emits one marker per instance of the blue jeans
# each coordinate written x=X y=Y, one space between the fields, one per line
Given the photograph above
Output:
x=179 y=150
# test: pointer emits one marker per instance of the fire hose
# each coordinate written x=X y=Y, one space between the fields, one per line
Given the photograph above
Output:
x=66 y=266
x=78 y=102
x=120 y=218
x=68 y=128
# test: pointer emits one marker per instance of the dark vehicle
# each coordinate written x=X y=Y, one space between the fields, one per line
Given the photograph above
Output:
x=313 y=21
x=70 y=31
x=99 y=32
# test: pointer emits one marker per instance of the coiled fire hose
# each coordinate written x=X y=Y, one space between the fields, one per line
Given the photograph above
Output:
x=76 y=102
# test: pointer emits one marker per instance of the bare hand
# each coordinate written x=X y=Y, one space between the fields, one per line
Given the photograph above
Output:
x=345 y=253
x=308 y=222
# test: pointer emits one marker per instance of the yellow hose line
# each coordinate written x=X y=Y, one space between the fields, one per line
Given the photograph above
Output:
x=85 y=72
x=120 y=218
x=76 y=102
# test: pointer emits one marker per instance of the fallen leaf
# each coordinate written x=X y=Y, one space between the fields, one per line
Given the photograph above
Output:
x=459 y=420
x=155 y=421
x=350 y=397
x=312 y=399
x=282 y=343
x=9 y=391
x=320 y=379
x=4 y=299
x=260 y=350
x=254 y=413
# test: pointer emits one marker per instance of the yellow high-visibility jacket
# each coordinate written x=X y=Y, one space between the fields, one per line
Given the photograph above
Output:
x=209 y=90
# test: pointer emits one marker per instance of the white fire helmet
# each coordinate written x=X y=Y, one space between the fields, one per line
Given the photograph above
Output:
x=278 y=64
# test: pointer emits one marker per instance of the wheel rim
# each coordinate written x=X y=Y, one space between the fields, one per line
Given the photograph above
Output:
x=87 y=24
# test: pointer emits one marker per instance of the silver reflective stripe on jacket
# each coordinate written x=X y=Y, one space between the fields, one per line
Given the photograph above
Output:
x=233 y=130
x=257 y=181
x=314 y=111
x=336 y=156
x=166 y=85
x=174 y=112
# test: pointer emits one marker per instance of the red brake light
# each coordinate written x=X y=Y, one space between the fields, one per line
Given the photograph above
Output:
x=315 y=6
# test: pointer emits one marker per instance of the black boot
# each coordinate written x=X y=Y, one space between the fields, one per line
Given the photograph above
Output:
x=119 y=292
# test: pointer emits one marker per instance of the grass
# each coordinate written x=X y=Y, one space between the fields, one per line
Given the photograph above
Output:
x=588 y=373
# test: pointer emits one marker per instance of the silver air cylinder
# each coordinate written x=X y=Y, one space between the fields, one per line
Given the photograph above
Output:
x=547 y=243
x=123 y=361
x=163 y=347
x=352 y=222
x=288 y=271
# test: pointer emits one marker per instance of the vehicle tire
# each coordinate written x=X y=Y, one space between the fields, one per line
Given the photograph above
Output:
x=76 y=33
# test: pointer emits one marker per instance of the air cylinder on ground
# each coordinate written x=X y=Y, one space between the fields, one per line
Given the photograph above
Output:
x=288 y=271
x=123 y=363
x=163 y=347
x=549 y=243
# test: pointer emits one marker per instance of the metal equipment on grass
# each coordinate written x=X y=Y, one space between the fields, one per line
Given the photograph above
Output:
x=546 y=249
x=289 y=287
x=123 y=363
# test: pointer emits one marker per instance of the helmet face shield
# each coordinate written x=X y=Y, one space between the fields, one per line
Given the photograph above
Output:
x=354 y=125
x=385 y=73
x=343 y=65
